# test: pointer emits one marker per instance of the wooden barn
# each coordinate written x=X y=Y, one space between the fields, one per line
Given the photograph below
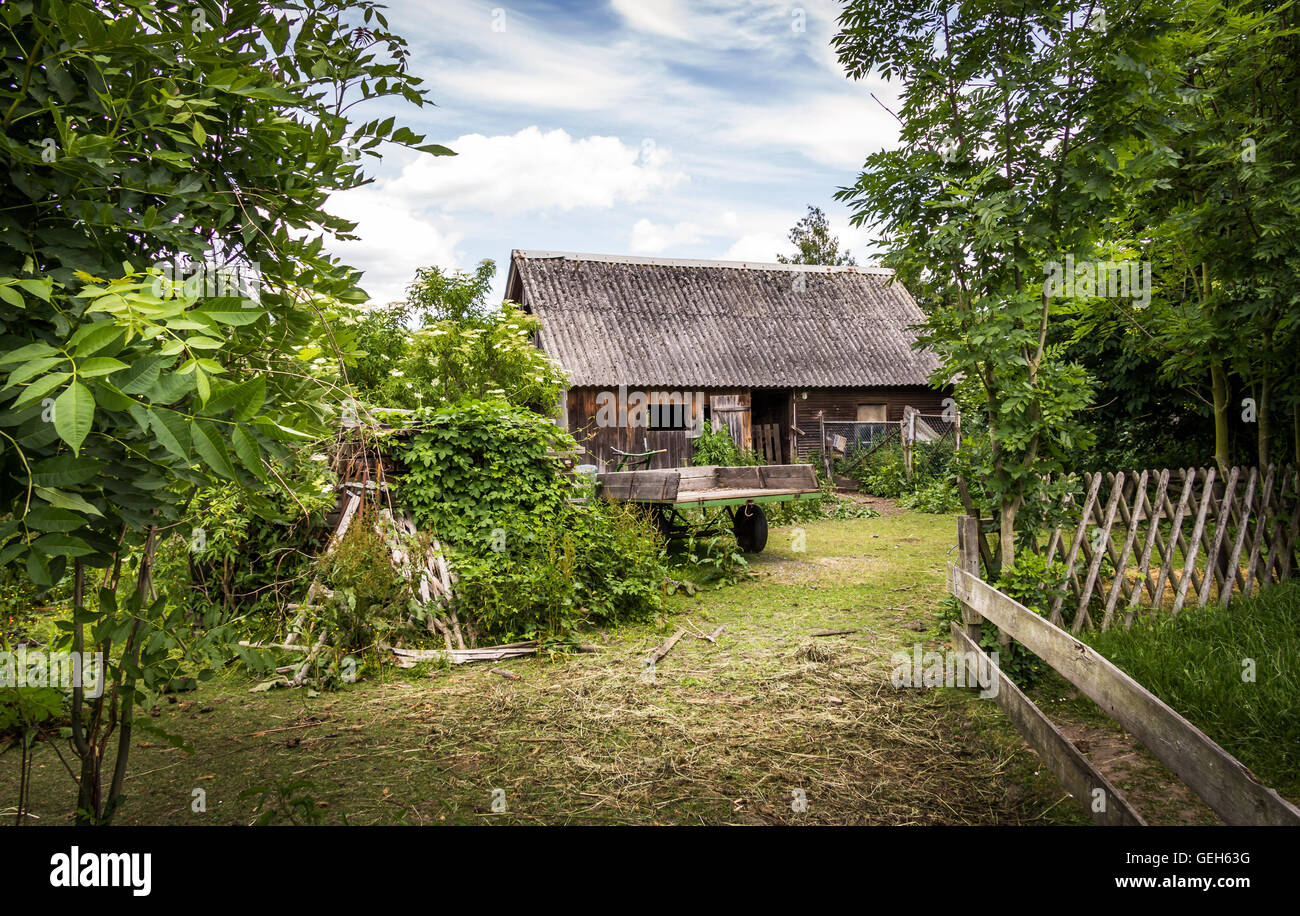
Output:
x=655 y=348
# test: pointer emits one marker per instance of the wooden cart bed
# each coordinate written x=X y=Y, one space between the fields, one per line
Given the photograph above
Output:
x=712 y=485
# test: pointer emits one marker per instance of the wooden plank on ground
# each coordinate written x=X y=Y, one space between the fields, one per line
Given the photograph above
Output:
x=1075 y=771
x=1216 y=776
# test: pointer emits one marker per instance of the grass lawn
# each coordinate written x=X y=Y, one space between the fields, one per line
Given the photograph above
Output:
x=733 y=732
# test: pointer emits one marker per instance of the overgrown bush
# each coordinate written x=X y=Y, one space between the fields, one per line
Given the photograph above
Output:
x=715 y=446
x=530 y=563
x=931 y=487
x=371 y=599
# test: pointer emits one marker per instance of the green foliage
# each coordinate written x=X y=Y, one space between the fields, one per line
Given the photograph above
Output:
x=710 y=554
x=133 y=137
x=939 y=497
x=931 y=487
x=1198 y=663
x=716 y=447
x=458 y=298
x=593 y=564
x=814 y=243
x=371 y=599
x=469 y=466
x=529 y=563
x=287 y=802
x=462 y=352
x=826 y=504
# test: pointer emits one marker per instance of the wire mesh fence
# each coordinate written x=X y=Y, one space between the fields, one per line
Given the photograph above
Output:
x=919 y=445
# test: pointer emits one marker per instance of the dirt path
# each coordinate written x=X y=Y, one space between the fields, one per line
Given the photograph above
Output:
x=770 y=724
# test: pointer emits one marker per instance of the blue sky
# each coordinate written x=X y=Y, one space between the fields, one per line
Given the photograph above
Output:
x=663 y=128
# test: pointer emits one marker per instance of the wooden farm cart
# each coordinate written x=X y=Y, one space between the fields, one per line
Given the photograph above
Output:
x=738 y=491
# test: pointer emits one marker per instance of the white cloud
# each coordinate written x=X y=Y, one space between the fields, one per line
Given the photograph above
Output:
x=394 y=241
x=835 y=129
x=651 y=238
x=532 y=170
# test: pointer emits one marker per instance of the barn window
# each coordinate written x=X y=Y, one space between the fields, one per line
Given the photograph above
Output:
x=872 y=413
x=672 y=412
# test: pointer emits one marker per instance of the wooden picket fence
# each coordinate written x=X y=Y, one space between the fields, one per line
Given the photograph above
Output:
x=1221 y=781
x=1144 y=541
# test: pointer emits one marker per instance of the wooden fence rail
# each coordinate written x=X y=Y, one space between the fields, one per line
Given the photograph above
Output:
x=1222 y=781
x=1141 y=541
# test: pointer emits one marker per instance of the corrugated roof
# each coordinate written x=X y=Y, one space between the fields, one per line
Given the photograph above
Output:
x=612 y=319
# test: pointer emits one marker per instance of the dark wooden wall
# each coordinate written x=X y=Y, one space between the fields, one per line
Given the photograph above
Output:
x=837 y=403
x=842 y=404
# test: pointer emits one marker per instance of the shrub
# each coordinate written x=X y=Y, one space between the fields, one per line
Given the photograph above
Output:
x=471 y=465
x=530 y=564
x=715 y=446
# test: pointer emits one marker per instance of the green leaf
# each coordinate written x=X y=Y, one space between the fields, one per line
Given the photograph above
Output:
x=246 y=449
x=74 y=412
x=39 y=388
x=12 y=297
x=52 y=518
x=63 y=471
x=39 y=288
x=234 y=317
x=172 y=431
x=140 y=376
x=91 y=338
x=72 y=501
x=100 y=365
x=62 y=545
x=22 y=354
x=208 y=443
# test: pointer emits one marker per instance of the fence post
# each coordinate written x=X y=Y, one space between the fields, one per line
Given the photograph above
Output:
x=968 y=559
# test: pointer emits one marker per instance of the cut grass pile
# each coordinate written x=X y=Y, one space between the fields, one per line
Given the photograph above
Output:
x=769 y=725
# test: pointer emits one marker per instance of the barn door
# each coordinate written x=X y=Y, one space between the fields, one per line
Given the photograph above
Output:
x=732 y=411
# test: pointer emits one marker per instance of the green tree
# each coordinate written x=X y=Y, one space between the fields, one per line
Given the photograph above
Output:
x=146 y=143
x=814 y=244
x=987 y=188
x=1203 y=137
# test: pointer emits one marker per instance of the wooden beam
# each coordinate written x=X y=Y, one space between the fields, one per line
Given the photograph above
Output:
x=1216 y=776
x=1075 y=771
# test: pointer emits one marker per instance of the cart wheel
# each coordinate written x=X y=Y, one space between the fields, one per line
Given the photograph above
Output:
x=750 y=525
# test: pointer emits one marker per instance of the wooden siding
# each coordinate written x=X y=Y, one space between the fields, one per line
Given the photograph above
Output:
x=836 y=403
x=842 y=404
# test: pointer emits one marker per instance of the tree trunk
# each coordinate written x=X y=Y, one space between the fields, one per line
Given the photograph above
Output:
x=1219 y=386
x=1007 y=533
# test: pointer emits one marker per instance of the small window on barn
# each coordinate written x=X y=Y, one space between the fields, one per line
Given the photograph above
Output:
x=872 y=413
x=670 y=413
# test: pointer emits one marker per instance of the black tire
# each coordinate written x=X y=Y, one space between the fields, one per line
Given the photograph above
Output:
x=750 y=526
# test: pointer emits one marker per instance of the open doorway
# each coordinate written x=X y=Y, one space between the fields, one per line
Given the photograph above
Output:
x=771 y=424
